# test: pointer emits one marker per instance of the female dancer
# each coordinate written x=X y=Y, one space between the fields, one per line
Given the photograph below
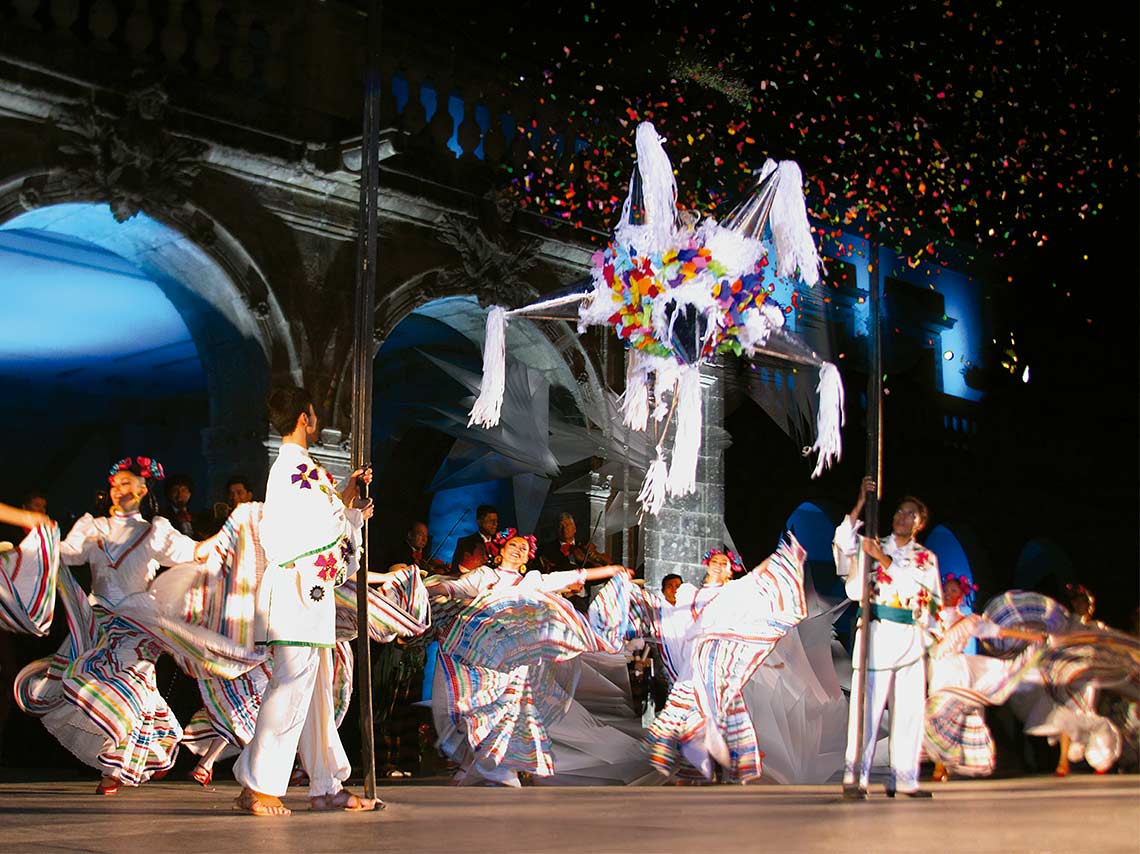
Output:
x=98 y=695
x=500 y=702
x=961 y=686
x=736 y=625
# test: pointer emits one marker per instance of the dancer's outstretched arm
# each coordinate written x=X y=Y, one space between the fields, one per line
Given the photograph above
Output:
x=10 y=515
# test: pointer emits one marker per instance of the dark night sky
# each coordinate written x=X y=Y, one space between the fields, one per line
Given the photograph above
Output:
x=997 y=137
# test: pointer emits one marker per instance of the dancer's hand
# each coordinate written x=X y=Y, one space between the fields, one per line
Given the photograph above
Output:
x=365 y=506
x=866 y=487
x=872 y=548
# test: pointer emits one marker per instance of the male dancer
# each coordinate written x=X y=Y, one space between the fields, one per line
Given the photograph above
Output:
x=311 y=537
x=906 y=594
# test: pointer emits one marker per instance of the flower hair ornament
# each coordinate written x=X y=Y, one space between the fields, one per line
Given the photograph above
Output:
x=968 y=587
x=735 y=564
x=505 y=536
x=145 y=467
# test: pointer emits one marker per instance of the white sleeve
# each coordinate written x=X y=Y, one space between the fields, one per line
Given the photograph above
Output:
x=73 y=549
x=935 y=593
x=170 y=546
x=986 y=628
x=686 y=594
x=465 y=587
x=853 y=585
x=552 y=582
x=846 y=537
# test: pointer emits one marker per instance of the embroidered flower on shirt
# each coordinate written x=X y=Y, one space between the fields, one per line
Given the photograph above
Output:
x=346 y=549
x=920 y=558
x=304 y=475
x=317 y=593
x=328 y=567
x=882 y=577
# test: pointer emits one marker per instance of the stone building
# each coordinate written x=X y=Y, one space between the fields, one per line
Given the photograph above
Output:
x=214 y=146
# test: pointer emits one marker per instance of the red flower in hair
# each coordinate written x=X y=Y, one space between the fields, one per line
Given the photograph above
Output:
x=145 y=467
x=503 y=537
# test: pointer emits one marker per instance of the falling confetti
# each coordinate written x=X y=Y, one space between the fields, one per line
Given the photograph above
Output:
x=948 y=132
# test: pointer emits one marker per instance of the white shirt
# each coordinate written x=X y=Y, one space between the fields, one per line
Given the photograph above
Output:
x=312 y=543
x=911 y=583
x=675 y=621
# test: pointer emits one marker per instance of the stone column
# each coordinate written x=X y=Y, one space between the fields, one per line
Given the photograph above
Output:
x=598 y=494
x=677 y=537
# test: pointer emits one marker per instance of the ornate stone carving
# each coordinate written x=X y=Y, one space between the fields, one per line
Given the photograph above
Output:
x=490 y=268
x=130 y=160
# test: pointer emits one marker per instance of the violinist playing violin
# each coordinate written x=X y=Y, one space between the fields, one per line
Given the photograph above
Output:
x=566 y=553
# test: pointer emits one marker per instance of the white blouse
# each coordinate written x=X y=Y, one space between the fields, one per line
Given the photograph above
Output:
x=124 y=552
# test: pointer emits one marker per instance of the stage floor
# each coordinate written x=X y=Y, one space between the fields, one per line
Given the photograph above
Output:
x=1038 y=814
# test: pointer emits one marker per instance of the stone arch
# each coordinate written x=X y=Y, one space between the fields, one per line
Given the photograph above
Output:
x=235 y=321
x=409 y=286
x=232 y=279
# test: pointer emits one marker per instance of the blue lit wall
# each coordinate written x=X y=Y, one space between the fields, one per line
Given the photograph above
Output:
x=101 y=361
x=449 y=506
x=82 y=317
x=962 y=296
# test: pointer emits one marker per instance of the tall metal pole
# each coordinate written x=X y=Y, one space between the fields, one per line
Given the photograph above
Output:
x=362 y=353
x=871 y=514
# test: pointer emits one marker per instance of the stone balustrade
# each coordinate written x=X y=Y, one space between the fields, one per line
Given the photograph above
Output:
x=288 y=70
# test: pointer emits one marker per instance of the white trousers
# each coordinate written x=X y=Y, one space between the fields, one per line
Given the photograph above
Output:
x=296 y=716
x=905 y=689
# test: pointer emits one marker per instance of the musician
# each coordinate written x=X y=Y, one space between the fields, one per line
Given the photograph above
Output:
x=416 y=551
x=566 y=553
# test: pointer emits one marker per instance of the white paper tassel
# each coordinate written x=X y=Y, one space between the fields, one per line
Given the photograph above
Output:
x=658 y=193
x=687 y=438
x=635 y=399
x=736 y=252
x=791 y=230
x=652 y=495
x=489 y=404
x=829 y=435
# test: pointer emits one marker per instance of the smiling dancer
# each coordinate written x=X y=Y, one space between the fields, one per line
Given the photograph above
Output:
x=499 y=704
x=98 y=695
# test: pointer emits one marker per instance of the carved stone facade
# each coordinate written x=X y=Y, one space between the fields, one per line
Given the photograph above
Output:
x=219 y=139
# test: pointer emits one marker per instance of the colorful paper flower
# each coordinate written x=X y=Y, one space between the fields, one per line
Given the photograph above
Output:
x=328 y=567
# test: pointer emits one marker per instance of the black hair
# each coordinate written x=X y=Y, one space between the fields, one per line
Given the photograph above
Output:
x=485 y=509
x=670 y=577
x=923 y=512
x=242 y=479
x=287 y=403
x=179 y=479
x=30 y=494
x=148 y=507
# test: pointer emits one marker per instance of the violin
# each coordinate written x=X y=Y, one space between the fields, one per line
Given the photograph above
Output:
x=587 y=556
